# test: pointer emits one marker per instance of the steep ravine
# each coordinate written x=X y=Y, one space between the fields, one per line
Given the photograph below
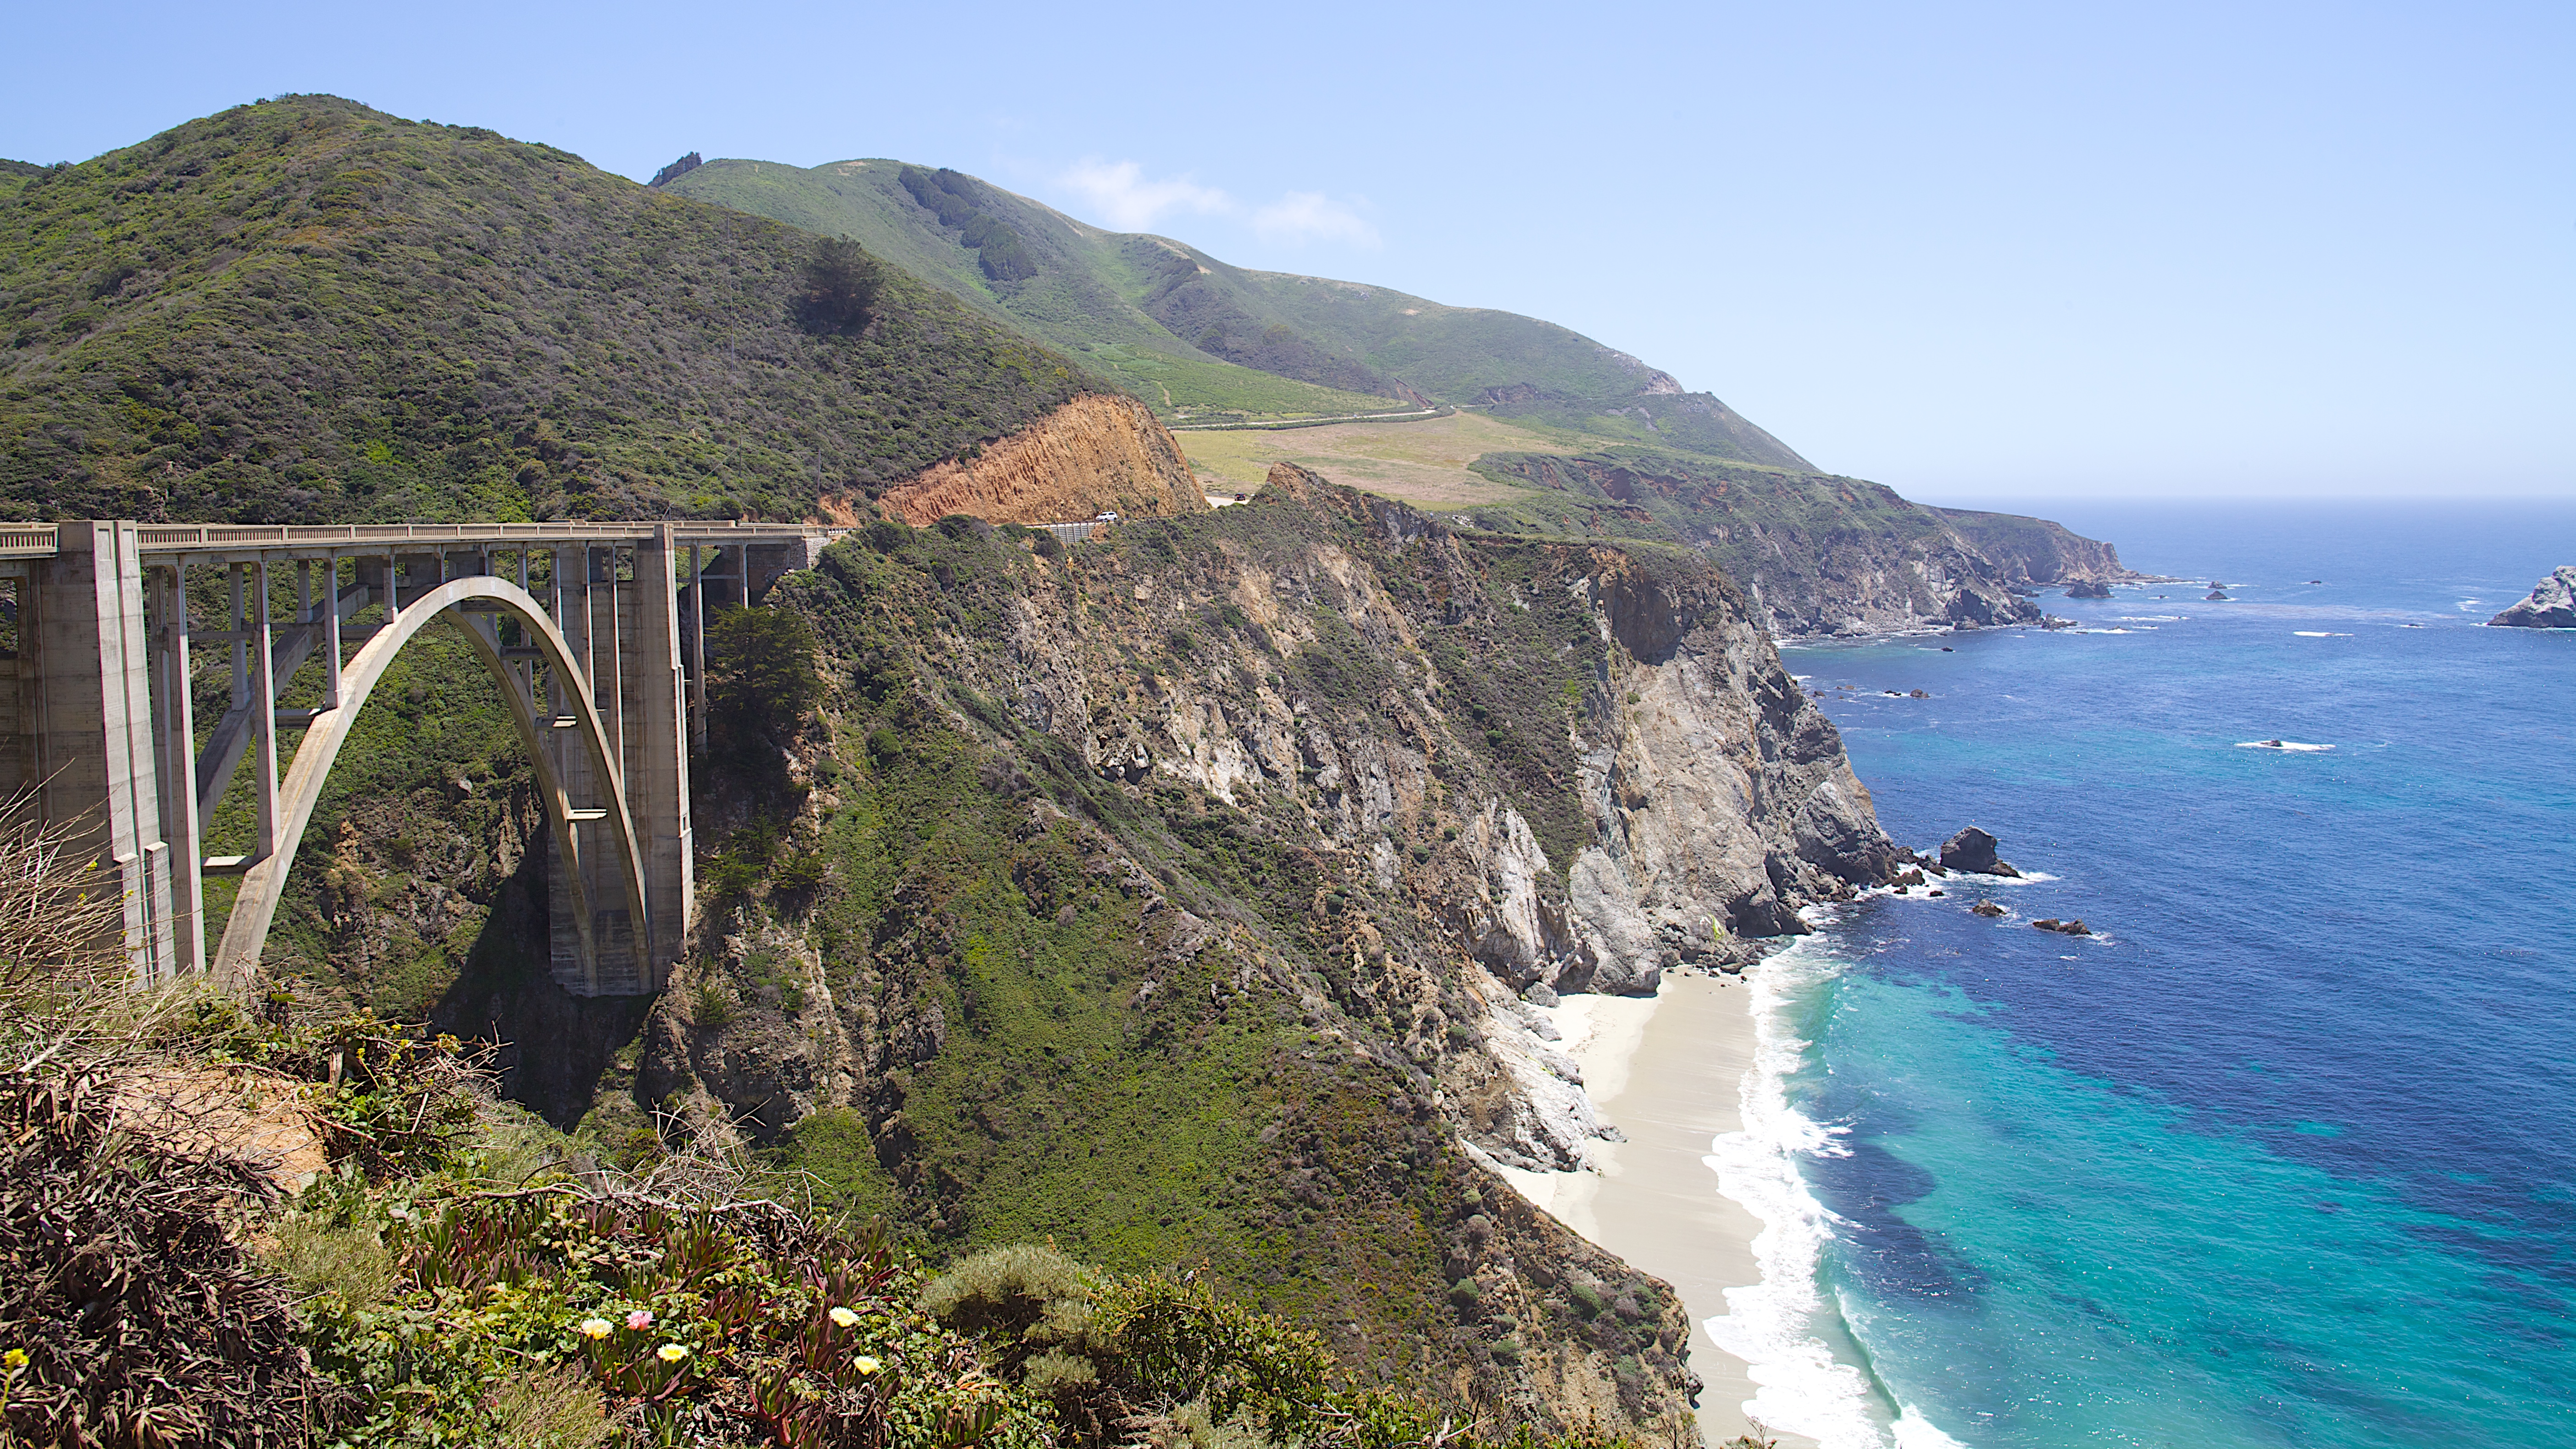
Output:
x=1174 y=896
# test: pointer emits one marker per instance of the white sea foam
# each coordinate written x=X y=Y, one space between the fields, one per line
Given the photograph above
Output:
x=2318 y=634
x=2287 y=746
x=2148 y=619
x=1777 y=1326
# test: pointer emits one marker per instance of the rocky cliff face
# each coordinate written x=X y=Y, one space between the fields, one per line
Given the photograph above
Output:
x=1097 y=453
x=2552 y=604
x=1179 y=894
x=1818 y=554
x=2032 y=552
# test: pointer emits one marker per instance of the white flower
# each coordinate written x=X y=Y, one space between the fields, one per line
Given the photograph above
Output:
x=596 y=1328
x=670 y=1353
x=845 y=1317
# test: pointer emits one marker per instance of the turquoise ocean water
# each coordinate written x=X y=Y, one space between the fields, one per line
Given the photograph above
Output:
x=2286 y=1155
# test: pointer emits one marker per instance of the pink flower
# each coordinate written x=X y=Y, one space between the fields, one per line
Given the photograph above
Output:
x=639 y=1320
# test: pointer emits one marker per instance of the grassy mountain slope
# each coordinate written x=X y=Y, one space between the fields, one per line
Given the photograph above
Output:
x=1820 y=552
x=1163 y=314
x=305 y=310
x=1080 y=298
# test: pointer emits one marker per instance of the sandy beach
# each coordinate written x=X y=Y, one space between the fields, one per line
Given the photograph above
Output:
x=1667 y=1071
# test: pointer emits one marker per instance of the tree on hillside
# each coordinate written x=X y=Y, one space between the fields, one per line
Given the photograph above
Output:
x=840 y=287
x=760 y=673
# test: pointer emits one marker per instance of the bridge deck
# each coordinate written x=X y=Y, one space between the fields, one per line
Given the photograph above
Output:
x=37 y=540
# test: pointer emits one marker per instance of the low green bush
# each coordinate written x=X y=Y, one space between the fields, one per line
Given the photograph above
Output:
x=553 y=1316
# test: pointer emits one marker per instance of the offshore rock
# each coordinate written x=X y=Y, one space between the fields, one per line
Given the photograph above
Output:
x=1973 y=850
x=2552 y=604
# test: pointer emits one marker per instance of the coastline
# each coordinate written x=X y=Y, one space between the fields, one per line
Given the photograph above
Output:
x=1668 y=1071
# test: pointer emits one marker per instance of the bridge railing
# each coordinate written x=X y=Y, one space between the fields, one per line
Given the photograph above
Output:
x=197 y=537
x=27 y=540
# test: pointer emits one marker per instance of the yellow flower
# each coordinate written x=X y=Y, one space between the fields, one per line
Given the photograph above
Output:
x=866 y=1364
x=14 y=1359
x=845 y=1318
x=670 y=1353
x=597 y=1328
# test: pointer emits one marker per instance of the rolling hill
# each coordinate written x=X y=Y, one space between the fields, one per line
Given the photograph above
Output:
x=309 y=311
x=1199 y=338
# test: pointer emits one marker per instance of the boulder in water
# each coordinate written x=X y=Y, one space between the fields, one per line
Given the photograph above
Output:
x=1973 y=850
x=2063 y=928
x=2551 y=606
x=2088 y=589
x=1987 y=908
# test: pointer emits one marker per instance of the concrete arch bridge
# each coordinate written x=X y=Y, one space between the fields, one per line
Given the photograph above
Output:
x=595 y=632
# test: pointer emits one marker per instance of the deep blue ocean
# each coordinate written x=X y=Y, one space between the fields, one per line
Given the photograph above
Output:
x=2285 y=1155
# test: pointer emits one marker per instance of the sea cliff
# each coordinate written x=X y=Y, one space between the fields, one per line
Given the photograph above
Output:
x=1179 y=892
x=1817 y=553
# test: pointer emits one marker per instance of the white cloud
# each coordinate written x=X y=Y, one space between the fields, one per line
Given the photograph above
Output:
x=1304 y=216
x=1120 y=195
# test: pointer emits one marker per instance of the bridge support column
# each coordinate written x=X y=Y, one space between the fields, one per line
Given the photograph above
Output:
x=90 y=726
x=657 y=781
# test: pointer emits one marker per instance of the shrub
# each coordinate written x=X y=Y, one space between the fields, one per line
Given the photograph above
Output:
x=137 y=1318
x=563 y=1316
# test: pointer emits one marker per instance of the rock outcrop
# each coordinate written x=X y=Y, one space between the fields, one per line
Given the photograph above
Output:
x=2552 y=604
x=1973 y=851
x=1098 y=453
x=1818 y=554
x=2033 y=552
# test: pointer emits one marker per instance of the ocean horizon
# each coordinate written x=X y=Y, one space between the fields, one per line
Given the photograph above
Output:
x=2281 y=1154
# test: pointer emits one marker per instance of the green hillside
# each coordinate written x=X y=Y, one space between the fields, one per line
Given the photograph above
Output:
x=308 y=311
x=1193 y=335
x=1075 y=292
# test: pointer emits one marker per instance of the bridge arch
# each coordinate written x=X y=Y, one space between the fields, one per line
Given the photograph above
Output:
x=263 y=885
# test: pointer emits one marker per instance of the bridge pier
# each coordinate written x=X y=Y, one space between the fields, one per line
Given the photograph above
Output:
x=86 y=743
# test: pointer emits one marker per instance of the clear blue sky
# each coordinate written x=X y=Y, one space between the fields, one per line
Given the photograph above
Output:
x=1999 y=251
